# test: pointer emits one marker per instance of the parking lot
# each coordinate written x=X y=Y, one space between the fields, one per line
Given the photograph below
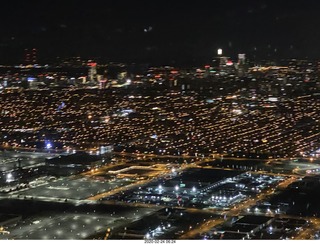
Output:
x=67 y=188
x=80 y=223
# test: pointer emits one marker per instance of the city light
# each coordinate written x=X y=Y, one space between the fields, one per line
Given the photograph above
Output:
x=9 y=178
x=206 y=130
x=48 y=145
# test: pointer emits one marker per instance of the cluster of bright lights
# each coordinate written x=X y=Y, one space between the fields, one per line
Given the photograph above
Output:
x=9 y=178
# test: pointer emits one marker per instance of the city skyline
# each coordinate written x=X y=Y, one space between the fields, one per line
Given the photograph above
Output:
x=227 y=151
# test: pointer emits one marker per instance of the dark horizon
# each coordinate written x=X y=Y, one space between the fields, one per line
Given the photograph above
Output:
x=159 y=32
x=160 y=138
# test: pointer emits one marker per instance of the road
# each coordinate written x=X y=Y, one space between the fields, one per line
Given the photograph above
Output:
x=205 y=227
x=308 y=233
x=117 y=190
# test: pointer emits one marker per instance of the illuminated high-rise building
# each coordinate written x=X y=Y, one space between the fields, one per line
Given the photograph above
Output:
x=27 y=57
x=30 y=56
x=222 y=64
x=241 y=58
x=241 y=65
x=92 y=75
x=34 y=56
x=103 y=80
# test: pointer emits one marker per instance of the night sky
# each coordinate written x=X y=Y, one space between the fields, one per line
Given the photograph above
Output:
x=159 y=32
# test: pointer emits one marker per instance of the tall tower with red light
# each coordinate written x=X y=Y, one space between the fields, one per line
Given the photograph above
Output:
x=92 y=74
